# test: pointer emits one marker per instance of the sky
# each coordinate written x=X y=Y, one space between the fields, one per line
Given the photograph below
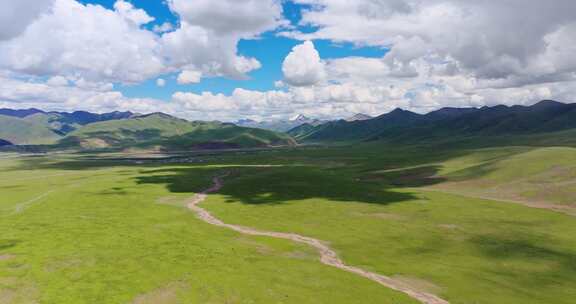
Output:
x=271 y=59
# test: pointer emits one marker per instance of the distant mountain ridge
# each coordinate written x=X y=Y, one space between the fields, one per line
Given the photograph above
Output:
x=279 y=125
x=82 y=117
x=126 y=130
x=545 y=116
x=20 y=113
x=358 y=117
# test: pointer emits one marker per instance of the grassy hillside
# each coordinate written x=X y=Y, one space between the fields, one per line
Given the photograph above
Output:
x=160 y=131
x=541 y=177
x=53 y=121
x=22 y=132
x=375 y=204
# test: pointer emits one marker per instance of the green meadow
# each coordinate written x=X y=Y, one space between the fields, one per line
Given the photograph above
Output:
x=455 y=222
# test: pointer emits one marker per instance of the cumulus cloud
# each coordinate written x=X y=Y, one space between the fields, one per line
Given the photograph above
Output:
x=160 y=82
x=188 y=77
x=163 y=28
x=127 y=10
x=16 y=15
x=508 y=40
x=230 y=17
x=303 y=66
x=66 y=55
x=72 y=39
x=57 y=81
x=210 y=31
x=87 y=40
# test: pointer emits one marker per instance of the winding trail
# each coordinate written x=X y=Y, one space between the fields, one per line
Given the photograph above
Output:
x=327 y=255
x=24 y=205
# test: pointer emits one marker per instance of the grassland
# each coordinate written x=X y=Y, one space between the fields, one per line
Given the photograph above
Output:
x=117 y=232
x=92 y=232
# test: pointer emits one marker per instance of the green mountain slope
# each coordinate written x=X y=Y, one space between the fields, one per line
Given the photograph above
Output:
x=405 y=126
x=22 y=132
x=341 y=130
x=64 y=123
x=164 y=132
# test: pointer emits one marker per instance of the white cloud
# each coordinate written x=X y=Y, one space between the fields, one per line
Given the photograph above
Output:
x=512 y=41
x=163 y=28
x=57 y=81
x=303 y=66
x=127 y=10
x=88 y=41
x=210 y=31
x=188 y=77
x=16 y=15
x=160 y=82
x=245 y=18
x=99 y=44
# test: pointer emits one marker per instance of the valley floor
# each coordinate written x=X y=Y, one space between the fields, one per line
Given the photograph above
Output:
x=86 y=229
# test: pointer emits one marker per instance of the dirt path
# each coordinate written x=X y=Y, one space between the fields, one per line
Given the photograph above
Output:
x=24 y=205
x=327 y=255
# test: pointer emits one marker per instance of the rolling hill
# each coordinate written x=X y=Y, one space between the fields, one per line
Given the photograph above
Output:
x=401 y=125
x=63 y=123
x=164 y=132
x=122 y=130
x=22 y=132
x=37 y=127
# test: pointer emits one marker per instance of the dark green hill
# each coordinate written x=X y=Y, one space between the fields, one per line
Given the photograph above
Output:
x=342 y=130
x=301 y=130
x=400 y=125
x=164 y=132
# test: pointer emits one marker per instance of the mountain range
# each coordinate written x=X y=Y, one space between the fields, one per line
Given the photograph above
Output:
x=402 y=125
x=279 y=125
x=286 y=125
x=125 y=130
x=159 y=131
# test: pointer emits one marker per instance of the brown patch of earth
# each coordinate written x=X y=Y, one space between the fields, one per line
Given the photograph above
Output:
x=69 y=263
x=13 y=291
x=449 y=226
x=164 y=295
x=383 y=215
x=6 y=257
x=260 y=248
x=418 y=283
x=301 y=255
x=172 y=201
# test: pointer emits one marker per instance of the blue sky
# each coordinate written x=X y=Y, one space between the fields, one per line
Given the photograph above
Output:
x=270 y=50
